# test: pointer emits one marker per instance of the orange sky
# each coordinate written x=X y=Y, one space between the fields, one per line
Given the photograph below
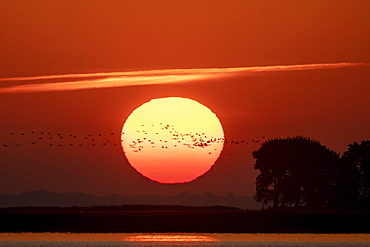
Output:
x=41 y=38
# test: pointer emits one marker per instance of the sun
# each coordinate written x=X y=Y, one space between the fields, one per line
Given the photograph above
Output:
x=172 y=140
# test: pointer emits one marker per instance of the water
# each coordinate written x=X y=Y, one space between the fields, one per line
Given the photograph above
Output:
x=181 y=239
x=200 y=244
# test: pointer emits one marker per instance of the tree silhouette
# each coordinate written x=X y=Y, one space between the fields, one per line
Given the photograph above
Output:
x=295 y=172
x=357 y=158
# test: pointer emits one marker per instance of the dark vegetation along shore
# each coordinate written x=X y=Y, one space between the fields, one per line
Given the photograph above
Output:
x=144 y=218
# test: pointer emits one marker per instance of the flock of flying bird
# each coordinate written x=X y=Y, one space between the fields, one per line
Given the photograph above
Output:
x=176 y=139
x=163 y=136
x=59 y=140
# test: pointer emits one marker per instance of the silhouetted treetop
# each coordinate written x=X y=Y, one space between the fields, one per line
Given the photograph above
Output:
x=358 y=158
x=295 y=171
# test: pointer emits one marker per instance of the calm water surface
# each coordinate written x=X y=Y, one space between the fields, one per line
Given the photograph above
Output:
x=180 y=239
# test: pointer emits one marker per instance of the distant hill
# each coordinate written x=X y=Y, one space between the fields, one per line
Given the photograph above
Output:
x=44 y=198
x=122 y=210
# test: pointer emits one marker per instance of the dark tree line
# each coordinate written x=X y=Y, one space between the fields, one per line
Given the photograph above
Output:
x=299 y=172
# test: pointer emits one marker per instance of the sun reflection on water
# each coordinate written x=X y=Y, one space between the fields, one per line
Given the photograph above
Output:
x=169 y=238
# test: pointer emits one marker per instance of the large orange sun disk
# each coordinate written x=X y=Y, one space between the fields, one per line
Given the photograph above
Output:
x=172 y=140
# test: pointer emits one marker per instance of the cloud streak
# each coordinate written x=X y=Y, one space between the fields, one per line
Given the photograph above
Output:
x=149 y=77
